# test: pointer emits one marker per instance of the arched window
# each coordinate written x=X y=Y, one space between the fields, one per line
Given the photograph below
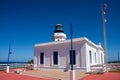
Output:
x=95 y=58
x=90 y=57
x=101 y=58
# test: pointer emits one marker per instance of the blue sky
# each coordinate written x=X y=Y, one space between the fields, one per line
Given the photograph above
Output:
x=27 y=22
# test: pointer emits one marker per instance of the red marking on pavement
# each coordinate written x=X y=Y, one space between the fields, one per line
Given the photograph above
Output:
x=105 y=76
x=13 y=76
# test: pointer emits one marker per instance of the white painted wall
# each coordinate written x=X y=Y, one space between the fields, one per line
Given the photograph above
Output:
x=81 y=48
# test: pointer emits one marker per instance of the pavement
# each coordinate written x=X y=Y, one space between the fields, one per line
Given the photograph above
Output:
x=105 y=76
x=13 y=76
x=56 y=75
x=47 y=74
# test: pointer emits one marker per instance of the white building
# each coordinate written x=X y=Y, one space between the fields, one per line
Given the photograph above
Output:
x=57 y=54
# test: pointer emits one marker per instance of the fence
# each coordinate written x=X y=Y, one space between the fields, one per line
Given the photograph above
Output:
x=105 y=67
x=113 y=66
x=16 y=65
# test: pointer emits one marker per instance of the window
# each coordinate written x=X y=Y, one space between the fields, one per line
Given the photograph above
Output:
x=90 y=54
x=74 y=57
x=55 y=57
x=42 y=58
x=95 y=58
x=101 y=58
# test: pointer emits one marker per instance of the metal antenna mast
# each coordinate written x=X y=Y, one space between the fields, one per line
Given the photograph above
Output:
x=9 y=52
x=118 y=58
x=104 y=30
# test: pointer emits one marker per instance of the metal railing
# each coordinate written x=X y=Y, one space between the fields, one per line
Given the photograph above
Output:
x=16 y=65
x=105 y=67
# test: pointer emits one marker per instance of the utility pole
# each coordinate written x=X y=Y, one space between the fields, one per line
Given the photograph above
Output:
x=104 y=30
x=118 y=58
x=72 y=72
x=9 y=52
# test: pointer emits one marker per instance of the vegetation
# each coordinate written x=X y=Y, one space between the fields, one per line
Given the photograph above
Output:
x=114 y=70
x=113 y=61
x=30 y=61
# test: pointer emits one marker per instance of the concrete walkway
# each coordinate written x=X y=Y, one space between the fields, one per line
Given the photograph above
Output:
x=54 y=74
x=43 y=74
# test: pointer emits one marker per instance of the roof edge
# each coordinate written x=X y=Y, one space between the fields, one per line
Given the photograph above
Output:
x=67 y=41
x=58 y=42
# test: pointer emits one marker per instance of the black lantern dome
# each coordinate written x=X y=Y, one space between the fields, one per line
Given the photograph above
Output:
x=58 y=28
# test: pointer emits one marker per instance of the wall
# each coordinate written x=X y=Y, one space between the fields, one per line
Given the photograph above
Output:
x=82 y=55
x=96 y=59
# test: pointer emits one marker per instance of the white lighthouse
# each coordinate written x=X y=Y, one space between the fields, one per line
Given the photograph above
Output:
x=59 y=34
x=57 y=54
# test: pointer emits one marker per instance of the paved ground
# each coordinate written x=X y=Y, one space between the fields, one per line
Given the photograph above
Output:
x=12 y=76
x=57 y=75
x=54 y=74
x=105 y=76
x=40 y=75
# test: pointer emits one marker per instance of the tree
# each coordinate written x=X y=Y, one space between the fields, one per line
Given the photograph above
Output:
x=30 y=61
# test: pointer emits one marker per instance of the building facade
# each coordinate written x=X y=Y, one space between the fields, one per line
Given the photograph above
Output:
x=57 y=54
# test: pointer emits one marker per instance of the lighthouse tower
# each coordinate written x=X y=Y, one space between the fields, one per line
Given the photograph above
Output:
x=59 y=34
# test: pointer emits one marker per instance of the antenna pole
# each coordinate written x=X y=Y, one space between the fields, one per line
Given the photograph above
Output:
x=104 y=30
x=118 y=58
x=9 y=52
x=72 y=72
x=71 y=49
